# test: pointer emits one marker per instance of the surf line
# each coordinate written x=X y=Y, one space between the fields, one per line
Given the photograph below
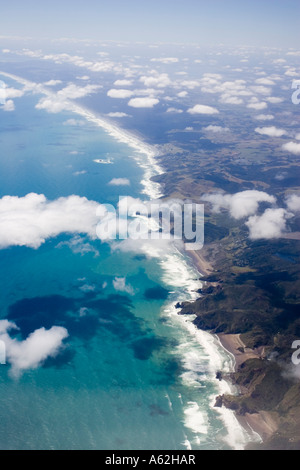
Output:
x=149 y=165
x=140 y=148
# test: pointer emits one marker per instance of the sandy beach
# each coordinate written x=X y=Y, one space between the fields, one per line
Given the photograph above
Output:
x=234 y=344
x=203 y=265
x=263 y=423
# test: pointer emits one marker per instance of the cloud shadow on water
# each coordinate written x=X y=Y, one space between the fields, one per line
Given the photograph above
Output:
x=156 y=293
x=113 y=314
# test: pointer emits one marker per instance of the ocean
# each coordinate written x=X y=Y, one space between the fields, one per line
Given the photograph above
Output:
x=133 y=373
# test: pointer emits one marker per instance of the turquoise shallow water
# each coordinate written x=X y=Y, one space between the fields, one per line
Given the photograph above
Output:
x=133 y=374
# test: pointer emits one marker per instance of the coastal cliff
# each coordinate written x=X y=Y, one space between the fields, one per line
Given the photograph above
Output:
x=254 y=310
x=250 y=268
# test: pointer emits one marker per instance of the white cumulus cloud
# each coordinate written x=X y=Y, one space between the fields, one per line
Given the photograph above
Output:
x=117 y=114
x=229 y=99
x=240 y=205
x=216 y=129
x=31 y=220
x=73 y=92
x=34 y=350
x=166 y=60
x=156 y=80
x=293 y=203
x=8 y=106
x=264 y=117
x=292 y=147
x=271 y=224
x=274 y=100
x=59 y=101
x=271 y=131
x=182 y=94
x=202 y=109
x=174 y=110
x=53 y=82
x=119 y=93
x=124 y=82
x=52 y=105
x=256 y=104
x=13 y=93
x=264 y=81
x=146 y=102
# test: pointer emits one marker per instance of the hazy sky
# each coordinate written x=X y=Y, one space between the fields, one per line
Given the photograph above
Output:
x=236 y=22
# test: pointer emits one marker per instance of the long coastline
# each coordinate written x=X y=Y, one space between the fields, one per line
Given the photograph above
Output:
x=261 y=425
x=151 y=189
x=139 y=147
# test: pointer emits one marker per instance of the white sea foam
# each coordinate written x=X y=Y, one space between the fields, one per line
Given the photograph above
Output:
x=141 y=149
x=169 y=402
x=196 y=419
x=202 y=355
x=202 y=370
x=177 y=273
x=186 y=443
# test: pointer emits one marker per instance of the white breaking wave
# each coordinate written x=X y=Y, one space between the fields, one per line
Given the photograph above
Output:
x=202 y=356
x=149 y=165
x=196 y=419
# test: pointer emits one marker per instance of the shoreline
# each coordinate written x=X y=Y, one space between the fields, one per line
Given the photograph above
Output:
x=151 y=189
x=235 y=346
x=261 y=425
x=151 y=167
x=198 y=261
x=203 y=266
x=240 y=433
